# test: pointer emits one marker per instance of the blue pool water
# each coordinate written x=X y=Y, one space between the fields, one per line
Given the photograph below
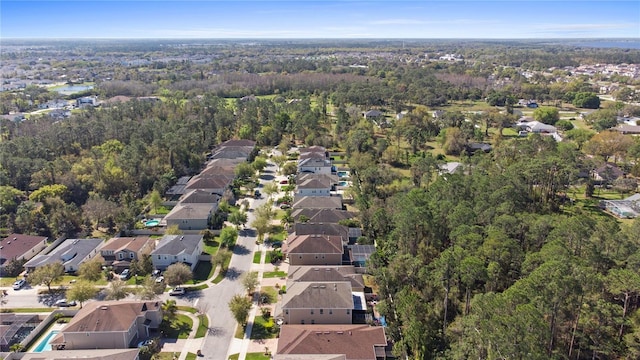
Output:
x=343 y=183
x=343 y=174
x=44 y=343
x=151 y=223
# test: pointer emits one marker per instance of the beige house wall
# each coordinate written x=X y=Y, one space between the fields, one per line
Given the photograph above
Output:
x=328 y=316
x=315 y=259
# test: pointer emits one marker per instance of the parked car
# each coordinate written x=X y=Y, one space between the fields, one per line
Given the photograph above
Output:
x=125 y=274
x=65 y=303
x=285 y=206
x=145 y=343
x=284 y=182
x=177 y=291
x=156 y=273
x=257 y=194
x=160 y=279
x=19 y=284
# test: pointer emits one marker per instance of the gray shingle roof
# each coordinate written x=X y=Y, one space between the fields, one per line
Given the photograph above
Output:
x=177 y=244
x=312 y=295
x=70 y=252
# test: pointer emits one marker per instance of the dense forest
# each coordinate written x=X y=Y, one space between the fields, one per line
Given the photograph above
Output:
x=508 y=259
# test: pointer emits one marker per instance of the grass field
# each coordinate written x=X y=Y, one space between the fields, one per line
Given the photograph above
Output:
x=274 y=274
x=256 y=257
x=180 y=327
x=251 y=356
x=203 y=326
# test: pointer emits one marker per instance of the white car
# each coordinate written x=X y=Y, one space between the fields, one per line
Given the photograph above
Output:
x=19 y=284
x=160 y=279
x=125 y=274
x=177 y=291
x=65 y=303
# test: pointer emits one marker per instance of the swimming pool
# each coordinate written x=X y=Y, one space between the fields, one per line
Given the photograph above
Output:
x=343 y=174
x=343 y=183
x=44 y=343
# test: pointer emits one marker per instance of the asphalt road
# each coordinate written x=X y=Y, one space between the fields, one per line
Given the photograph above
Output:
x=215 y=299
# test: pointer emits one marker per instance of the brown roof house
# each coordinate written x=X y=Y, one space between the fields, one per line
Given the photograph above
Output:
x=120 y=251
x=93 y=354
x=314 y=249
x=109 y=325
x=20 y=247
x=191 y=216
x=331 y=342
x=317 y=303
x=317 y=202
x=326 y=274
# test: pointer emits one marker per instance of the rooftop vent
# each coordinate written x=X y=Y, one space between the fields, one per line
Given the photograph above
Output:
x=104 y=307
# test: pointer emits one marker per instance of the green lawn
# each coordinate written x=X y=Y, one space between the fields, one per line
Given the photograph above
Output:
x=203 y=326
x=256 y=257
x=161 y=210
x=271 y=292
x=191 y=356
x=274 y=274
x=251 y=356
x=166 y=356
x=180 y=327
x=25 y=310
x=211 y=247
x=188 y=309
x=203 y=271
x=262 y=328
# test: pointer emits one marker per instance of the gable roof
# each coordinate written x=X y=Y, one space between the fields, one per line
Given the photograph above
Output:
x=199 y=196
x=313 y=184
x=373 y=113
x=327 y=216
x=356 y=342
x=209 y=182
x=317 y=202
x=109 y=315
x=93 y=354
x=215 y=169
x=70 y=252
x=190 y=211
x=313 y=244
x=628 y=129
x=609 y=170
x=179 y=187
x=16 y=245
x=314 y=162
x=325 y=274
x=177 y=244
x=318 y=295
x=325 y=178
x=126 y=243
x=238 y=142
x=332 y=229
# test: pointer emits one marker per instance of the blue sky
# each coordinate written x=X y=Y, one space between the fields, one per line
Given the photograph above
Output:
x=319 y=19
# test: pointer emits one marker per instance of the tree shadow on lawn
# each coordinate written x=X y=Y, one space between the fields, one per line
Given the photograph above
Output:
x=50 y=298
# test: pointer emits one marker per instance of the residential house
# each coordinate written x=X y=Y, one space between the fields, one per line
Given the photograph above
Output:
x=86 y=101
x=216 y=184
x=190 y=216
x=313 y=249
x=331 y=342
x=313 y=152
x=20 y=247
x=15 y=117
x=536 y=127
x=314 y=186
x=373 y=114
x=308 y=228
x=120 y=251
x=172 y=249
x=628 y=129
x=60 y=114
x=109 y=325
x=607 y=172
x=326 y=274
x=317 y=202
x=473 y=147
x=325 y=216
x=93 y=354
x=71 y=253
x=451 y=168
x=179 y=188
x=316 y=303
x=314 y=165
x=200 y=197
